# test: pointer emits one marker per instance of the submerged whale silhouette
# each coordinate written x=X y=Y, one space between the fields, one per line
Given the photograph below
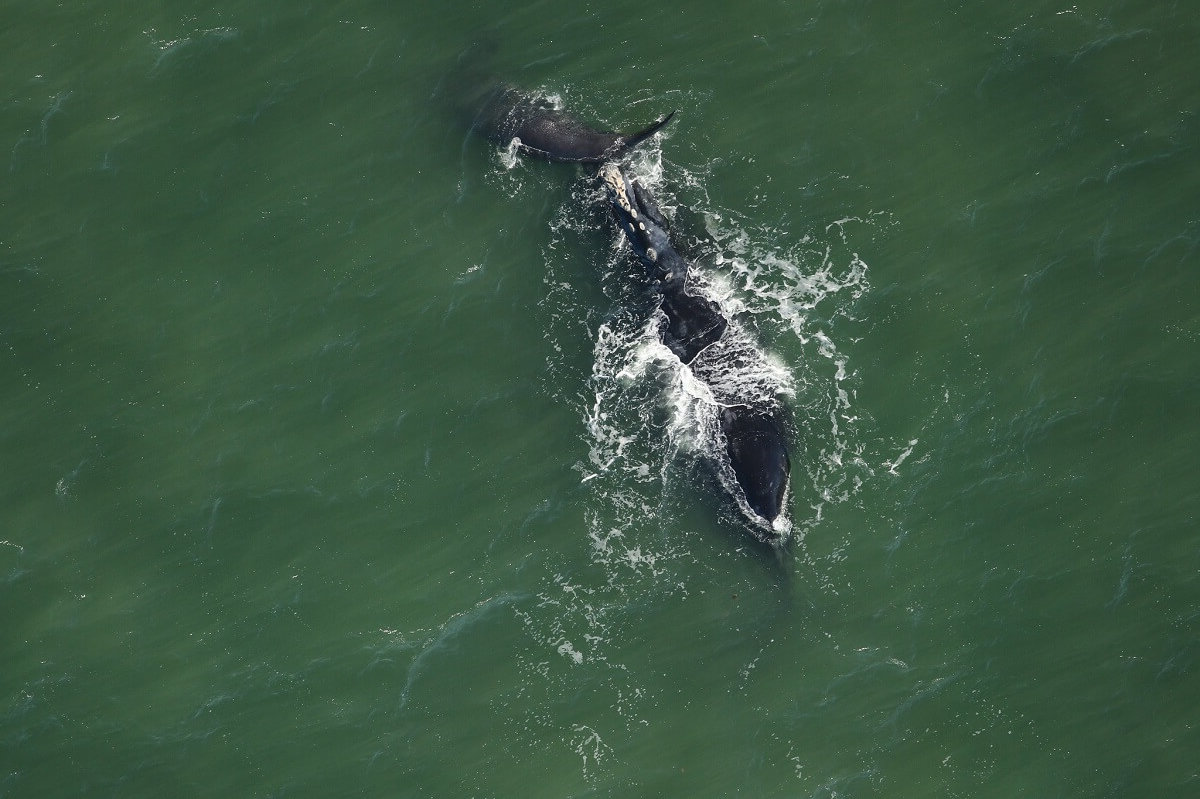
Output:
x=756 y=440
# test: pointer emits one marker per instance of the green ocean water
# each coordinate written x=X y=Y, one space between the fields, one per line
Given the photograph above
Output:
x=336 y=460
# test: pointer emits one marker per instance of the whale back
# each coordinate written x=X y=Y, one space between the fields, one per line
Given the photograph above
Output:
x=693 y=322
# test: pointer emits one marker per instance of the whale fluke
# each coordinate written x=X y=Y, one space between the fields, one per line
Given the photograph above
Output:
x=758 y=451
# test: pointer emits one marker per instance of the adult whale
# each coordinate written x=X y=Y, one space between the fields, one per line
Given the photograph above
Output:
x=506 y=114
x=755 y=436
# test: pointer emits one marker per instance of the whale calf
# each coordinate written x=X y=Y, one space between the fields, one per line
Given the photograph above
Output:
x=755 y=437
x=504 y=112
x=540 y=129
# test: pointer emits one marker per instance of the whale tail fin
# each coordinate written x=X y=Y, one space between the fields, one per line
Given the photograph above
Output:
x=626 y=143
x=757 y=445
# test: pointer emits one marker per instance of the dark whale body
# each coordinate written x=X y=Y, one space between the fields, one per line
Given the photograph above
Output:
x=507 y=114
x=503 y=112
x=757 y=447
x=755 y=436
